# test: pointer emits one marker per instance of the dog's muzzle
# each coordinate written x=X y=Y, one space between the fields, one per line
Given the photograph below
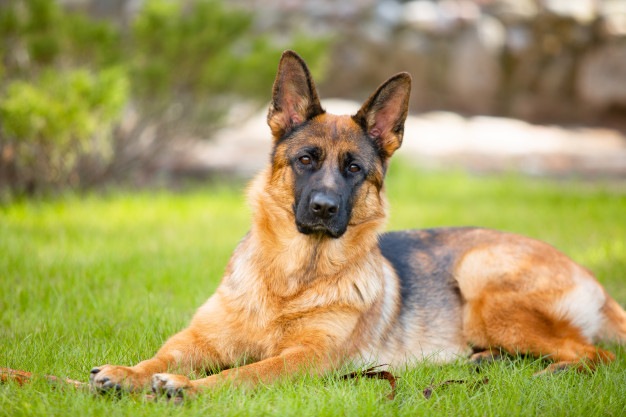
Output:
x=323 y=214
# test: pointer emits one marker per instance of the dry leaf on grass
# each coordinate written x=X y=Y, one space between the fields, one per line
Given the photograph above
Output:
x=370 y=373
x=23 y=377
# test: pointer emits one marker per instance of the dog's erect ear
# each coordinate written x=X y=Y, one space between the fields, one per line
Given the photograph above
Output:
x=383 y=114
x=294 y=99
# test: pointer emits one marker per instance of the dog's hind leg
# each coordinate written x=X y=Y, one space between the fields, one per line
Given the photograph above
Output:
x=525 y=297
x=482 y=356
x=579 y=357
x=520 y=324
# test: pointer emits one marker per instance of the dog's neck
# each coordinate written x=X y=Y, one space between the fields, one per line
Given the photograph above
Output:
x=292 y=259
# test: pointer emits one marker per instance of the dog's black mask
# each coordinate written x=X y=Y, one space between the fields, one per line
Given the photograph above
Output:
x=323 y=192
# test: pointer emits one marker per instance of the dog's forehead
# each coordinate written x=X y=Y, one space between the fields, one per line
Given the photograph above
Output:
x=336 y=128
x=335 y=133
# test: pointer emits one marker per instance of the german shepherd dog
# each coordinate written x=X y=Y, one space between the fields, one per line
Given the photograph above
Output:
x=313 y=284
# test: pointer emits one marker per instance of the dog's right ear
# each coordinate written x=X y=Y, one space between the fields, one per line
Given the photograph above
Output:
x=294 y=98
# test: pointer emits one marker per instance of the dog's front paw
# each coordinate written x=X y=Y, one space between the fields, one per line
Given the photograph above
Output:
x=110 y=377
x=171 y=385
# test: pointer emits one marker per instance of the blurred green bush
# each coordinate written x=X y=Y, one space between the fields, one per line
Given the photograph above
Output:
x=67 y=79
x=57 y=118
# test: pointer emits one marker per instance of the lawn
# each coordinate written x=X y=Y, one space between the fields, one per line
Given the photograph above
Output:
x=107 y=277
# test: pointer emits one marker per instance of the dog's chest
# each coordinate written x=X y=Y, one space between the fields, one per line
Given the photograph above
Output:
x=264 y=323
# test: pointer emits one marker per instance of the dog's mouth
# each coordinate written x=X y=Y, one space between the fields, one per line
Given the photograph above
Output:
x=319 y=229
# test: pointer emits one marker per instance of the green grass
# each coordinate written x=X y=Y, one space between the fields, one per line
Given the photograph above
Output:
x=106 y=278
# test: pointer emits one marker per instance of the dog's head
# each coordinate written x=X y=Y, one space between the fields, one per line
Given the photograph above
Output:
x=331 y=168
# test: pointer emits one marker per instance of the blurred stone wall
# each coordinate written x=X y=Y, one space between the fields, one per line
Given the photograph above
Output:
x=539 y=60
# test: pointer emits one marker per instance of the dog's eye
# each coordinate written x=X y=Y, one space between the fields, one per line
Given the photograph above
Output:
x=354 y=168
x=305 y=160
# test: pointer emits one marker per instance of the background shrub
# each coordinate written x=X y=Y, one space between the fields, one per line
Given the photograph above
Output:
x=57 y=120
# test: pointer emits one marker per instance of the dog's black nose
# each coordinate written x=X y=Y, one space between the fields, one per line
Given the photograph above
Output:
x=324 y=205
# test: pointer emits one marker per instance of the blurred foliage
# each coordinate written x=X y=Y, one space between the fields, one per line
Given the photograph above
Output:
x=61 y=106
x=55 y=119
x=38 y=33
x=66 y=79
x=201 y=52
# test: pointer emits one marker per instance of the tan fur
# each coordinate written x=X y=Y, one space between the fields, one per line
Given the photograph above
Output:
x=291 y=302
x=614 y=326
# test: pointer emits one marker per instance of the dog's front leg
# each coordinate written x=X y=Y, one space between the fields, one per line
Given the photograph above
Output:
x=182 y=351
x=287 y=364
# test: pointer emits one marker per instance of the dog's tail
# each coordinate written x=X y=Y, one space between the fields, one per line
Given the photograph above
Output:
x=614 y=326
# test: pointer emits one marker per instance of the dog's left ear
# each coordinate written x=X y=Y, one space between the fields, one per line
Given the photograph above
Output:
x=383 y=114
x=294 y=98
